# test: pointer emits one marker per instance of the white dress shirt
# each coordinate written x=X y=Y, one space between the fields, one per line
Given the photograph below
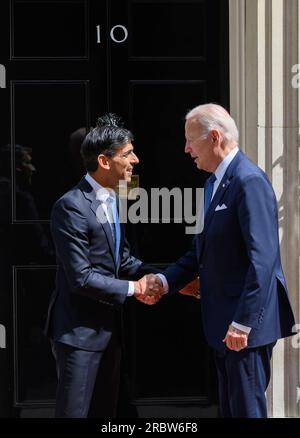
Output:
x=219 y=173
x=221 y=169
x=103 y=193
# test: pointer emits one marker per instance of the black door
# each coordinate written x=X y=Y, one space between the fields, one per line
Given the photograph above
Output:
x=66 y=63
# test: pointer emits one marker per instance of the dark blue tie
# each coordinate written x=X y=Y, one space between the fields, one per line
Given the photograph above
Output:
x=208 y=191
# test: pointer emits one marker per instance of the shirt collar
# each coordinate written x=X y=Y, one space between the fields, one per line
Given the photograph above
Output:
x=102 y=193
x=221 y=169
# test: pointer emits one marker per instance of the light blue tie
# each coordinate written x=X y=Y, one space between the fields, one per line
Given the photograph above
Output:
x=208 y=191
x=115 y=225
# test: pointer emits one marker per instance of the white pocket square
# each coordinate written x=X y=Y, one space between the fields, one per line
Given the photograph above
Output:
x=221 y=207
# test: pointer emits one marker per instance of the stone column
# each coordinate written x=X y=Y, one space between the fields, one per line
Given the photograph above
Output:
x=264 y=46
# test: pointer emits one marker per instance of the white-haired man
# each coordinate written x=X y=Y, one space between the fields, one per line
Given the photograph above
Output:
x=245 y=305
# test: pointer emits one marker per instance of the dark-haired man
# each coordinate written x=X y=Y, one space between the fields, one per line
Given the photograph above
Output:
x=84 y=321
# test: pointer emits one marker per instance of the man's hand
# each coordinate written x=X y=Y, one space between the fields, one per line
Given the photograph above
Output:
x=148 y=289
x=192 y=289
x=236 y=339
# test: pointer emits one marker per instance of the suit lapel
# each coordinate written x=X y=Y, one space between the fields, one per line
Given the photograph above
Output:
x=223 y=186
x=97 y=209
x=210 y=212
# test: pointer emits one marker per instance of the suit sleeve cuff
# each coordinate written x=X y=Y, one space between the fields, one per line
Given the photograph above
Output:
x=244 y=328
x=164 y=282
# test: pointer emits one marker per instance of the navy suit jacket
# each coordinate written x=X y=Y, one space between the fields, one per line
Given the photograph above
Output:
x=237 y=257
x=85 y=306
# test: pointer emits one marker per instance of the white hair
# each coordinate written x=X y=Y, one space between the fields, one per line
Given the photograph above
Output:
x=211 y=116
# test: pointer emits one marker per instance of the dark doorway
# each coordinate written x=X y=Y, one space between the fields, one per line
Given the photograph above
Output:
x=67 y=62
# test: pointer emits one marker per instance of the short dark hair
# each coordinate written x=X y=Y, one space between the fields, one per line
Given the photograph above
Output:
x=20 y=153
x=105 y=138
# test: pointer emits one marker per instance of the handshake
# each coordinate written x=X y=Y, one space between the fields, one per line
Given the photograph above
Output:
x=149 y=289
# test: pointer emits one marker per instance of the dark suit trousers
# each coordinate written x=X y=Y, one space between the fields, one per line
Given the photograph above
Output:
x=243 y=378
x=88 y=381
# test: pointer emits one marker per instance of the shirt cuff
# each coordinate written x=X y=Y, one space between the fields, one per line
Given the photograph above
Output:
x=164 y=282
x=244 y=328
x=130 y=289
